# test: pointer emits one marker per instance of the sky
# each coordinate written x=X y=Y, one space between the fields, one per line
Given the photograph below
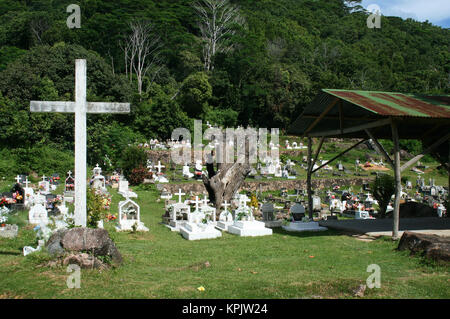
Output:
x=435 y=11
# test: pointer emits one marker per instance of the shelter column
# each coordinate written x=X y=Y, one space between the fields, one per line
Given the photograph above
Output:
x=308 y=179
x=398 y=181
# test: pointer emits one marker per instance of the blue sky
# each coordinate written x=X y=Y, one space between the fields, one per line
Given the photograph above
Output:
x=435 y=11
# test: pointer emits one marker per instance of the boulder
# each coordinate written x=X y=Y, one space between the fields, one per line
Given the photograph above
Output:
x=84 y=240
x=431 y=246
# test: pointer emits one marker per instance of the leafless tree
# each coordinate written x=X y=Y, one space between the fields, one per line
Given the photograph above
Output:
x=218 y=19
x=142 y=49
x=38 y=27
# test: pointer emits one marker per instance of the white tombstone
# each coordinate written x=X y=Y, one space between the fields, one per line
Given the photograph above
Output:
x=186 y=172
x=44 y=186
x=130 y=216
x=336 y=205
x=28 y=194
x=197 y=227
x=225 y=218
x=278 y=170
x=244 y=222
x=38 y=214
x=125 y=191
x=98 y=180
x=69 y=187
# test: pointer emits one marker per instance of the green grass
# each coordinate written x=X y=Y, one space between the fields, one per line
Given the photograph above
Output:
x=161 y=264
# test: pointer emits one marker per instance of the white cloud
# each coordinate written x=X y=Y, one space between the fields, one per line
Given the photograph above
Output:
x=434 y=11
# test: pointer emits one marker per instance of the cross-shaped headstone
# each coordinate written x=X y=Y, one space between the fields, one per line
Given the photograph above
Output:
x=179 y=195
x=26 y=182
x=80 y=107
x=17 y=179
x=244 y=200
x=205 y=201
x=69 y=173
x=196 y=202
x=225 y=204
x=43 y=178
x=159 y=166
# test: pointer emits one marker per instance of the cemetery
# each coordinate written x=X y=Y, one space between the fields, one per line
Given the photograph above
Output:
x=162 y=172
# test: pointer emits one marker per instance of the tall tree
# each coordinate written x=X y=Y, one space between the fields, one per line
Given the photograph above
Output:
x=143 y=51
x=217 y=21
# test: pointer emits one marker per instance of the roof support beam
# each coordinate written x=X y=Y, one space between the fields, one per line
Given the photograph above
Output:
x=339 y=155
x=380 y=148
x=425 y=152
x=353 y=129
x=317 y=152
x=321 y=116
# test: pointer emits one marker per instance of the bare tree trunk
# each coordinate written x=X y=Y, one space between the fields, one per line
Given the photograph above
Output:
x=229 y=177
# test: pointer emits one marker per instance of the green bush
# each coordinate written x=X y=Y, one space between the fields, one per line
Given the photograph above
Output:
x=133 y=157
x=40 y=159
x=383 y=188
x=138 y=175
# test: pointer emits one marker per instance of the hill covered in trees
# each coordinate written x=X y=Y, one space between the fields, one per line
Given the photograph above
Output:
x=259 y=63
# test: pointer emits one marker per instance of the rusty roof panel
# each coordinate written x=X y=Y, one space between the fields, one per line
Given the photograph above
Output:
x=396 y=104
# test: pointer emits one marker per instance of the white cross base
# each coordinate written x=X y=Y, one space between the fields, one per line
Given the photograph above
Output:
x=80 y=107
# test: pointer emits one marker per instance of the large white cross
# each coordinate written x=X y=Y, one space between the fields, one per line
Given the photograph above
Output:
x=18 y=179
x=80 y=107
x=26 y=182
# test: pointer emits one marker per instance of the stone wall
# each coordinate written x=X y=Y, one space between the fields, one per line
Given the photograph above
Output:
x=165 y=156
x=267 y=185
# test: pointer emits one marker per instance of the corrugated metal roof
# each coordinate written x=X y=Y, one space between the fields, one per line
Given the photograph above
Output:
x=396 y=104
x=418 y=113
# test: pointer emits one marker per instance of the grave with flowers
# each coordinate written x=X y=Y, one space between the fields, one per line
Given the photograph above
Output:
x=245 y=223
x=130 y=217
x=198 y=226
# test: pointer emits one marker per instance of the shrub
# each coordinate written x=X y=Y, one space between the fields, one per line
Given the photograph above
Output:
x=138 y=175
x=133 y=157
x=383 y=188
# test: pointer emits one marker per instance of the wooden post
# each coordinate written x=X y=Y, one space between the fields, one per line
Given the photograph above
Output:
x=398 y=181
x=308 y=179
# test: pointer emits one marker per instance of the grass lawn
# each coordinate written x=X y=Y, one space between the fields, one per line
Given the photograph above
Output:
x=161 y=264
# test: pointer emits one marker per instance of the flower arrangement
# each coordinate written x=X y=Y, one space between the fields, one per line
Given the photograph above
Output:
x=97 y=206
x=111 y=217
x=3 y=202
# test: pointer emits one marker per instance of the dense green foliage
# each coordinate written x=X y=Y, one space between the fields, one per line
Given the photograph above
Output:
x=133 y=157
x=284 y=53
x=383 y=187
